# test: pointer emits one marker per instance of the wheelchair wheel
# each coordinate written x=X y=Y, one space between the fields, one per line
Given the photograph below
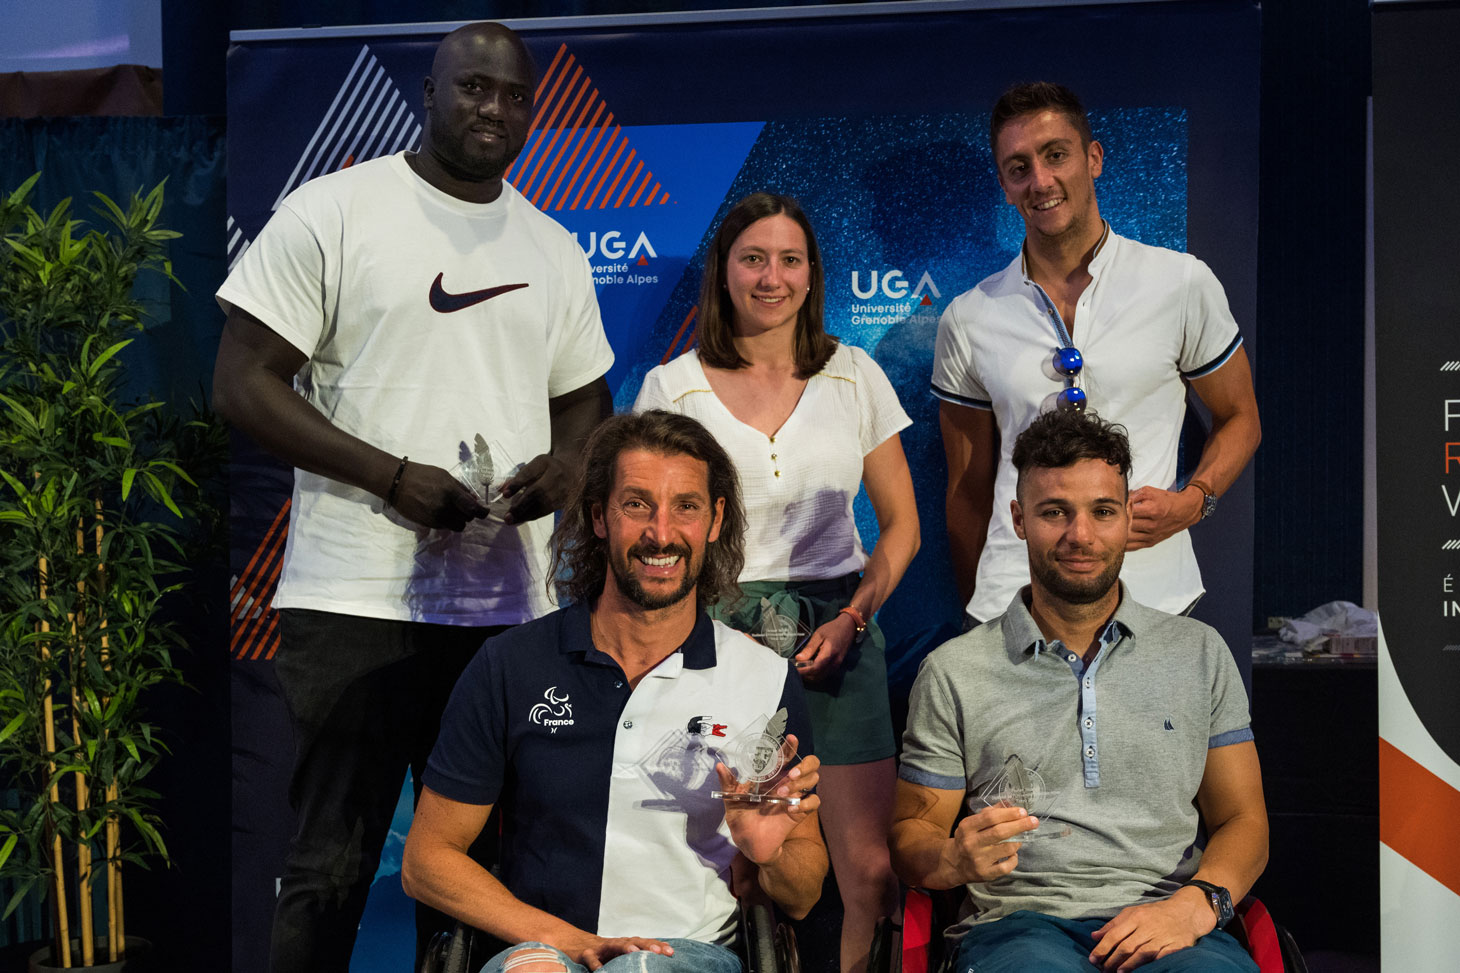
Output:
x=788 y=957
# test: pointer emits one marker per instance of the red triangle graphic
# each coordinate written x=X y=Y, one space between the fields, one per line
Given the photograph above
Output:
x=576 y=157
x=643 y=261
x=926 y=301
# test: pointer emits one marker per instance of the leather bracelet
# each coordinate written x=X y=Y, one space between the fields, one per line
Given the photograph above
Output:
x=1201 y=485
x=395 y=483
x=857 y=617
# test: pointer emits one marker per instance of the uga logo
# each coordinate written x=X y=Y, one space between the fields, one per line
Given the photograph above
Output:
x=613 y=246
x=556 y=712
x=893 y=285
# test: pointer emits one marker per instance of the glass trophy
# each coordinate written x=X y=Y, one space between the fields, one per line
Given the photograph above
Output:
x=484 y=468
x=758 y=759
x=1021 y=786
x=784 y=634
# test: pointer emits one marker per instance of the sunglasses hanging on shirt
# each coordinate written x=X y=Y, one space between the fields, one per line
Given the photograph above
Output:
x=1067 y=362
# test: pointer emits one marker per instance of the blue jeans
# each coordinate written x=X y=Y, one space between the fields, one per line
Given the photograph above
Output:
x=689 y=957
x=1030 y=942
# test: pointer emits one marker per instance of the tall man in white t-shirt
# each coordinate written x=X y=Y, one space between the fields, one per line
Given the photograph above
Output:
x=1083 y=316
x=423 y=308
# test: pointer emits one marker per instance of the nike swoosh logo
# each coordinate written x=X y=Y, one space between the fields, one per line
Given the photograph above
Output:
x=446 y=303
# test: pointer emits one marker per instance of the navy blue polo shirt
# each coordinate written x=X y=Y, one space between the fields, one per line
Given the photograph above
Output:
x=608 y=820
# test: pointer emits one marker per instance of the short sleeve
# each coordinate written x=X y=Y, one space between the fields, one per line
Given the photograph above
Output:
x=581 y=351
x=932 y=746
x=880 y=414
x=652 y=394
x=469 y=760
x=1209 y=332
x=1231 y=719
x=798 y=716
x=954 y=378
x=280 y=280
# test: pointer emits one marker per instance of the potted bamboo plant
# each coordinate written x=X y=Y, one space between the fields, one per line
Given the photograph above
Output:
x=98 y=498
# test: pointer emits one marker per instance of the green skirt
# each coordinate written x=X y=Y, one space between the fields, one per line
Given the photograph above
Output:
x=851 y=722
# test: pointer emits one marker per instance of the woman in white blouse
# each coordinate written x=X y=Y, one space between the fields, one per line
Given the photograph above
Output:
x=808 y=421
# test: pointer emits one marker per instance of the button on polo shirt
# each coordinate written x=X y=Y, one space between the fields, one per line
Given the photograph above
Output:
x=608 y=822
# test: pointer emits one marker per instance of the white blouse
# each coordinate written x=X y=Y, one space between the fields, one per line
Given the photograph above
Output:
x=798 y=485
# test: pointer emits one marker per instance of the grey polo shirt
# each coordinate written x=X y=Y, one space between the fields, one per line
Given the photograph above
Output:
x=1124 y=741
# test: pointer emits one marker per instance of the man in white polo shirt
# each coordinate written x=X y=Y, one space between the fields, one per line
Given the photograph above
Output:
x=1083 y=316
x=597 y=730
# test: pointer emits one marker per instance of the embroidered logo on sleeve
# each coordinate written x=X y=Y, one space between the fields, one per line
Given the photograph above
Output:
x=556 y=712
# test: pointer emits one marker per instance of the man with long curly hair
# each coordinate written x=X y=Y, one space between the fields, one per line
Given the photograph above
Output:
x=600 y=729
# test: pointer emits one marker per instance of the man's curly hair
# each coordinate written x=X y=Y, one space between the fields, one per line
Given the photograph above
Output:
x=1062 y=437
x=580 y=557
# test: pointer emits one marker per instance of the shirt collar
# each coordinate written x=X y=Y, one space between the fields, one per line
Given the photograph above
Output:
x=577 y=637
x=1098 y=258
x=1023 y=640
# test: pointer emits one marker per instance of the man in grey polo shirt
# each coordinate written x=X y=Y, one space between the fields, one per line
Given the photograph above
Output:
x=1136 y=718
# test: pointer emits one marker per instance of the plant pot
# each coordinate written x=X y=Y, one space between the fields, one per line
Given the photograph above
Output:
x=137 y=959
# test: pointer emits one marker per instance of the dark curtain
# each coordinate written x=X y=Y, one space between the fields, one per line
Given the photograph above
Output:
x=183 y=909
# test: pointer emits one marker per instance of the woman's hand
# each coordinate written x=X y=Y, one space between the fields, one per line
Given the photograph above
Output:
x=826 y=649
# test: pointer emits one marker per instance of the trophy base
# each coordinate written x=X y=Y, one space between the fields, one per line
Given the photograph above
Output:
x=731 y=797
x=1042 y=833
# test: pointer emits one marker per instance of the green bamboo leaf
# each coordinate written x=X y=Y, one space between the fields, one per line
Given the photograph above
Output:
x=20 y=895
x=128 y=476
x=159 y=492
x=23 y=190
x=169 y=464
x=5 y=734
x=105 y=356
x=111 y=440
x=7 y=848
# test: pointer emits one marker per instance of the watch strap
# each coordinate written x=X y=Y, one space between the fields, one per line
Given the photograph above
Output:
x=1217 y=897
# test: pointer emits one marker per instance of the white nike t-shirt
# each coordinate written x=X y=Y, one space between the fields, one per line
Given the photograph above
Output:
x=428 y=321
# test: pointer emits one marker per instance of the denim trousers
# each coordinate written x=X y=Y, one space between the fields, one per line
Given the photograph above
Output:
x=689 y=956
x=1030 y=942
x=365 y=697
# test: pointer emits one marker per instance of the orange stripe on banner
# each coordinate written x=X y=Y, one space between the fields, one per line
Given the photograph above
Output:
x=609 y=171
x=271 y=637
x=266 y=616
x=635 y=200
x=584 y=164
x=583 y=131
x=542 y=103
x=665 y=198
x=557 y=56
x=599 y=165
x=262 y=599
x=652 y=193
x=583 y=140
x=680 y=333
x=630 y=184
x=523 y=161
x=1416 y=811
x=551 y=122
x=570 y=128
x=248 y=568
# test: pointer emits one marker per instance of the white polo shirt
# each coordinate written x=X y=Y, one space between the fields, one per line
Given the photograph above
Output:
x=608 y=818
x=1149 y=318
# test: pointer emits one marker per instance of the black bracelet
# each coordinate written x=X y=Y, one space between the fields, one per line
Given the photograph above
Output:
x=395 y=483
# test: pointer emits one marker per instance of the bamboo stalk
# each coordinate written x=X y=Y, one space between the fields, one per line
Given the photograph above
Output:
x=83 y=847
x=116 y=940
x=63 y=924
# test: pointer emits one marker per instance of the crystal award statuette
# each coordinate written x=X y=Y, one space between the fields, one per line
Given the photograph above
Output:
x=783 y=634
x=758 y=758
x=1021 y=786
x=483 y=468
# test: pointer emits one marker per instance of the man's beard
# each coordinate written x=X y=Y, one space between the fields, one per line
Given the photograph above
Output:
x=1077 y=591
x=634 y=591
